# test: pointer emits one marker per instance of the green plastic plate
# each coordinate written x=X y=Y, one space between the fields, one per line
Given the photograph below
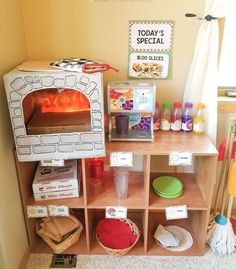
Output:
x=169 y=196
x=167 y=185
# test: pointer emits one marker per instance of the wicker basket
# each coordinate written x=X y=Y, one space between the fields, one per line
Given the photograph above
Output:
x=121 y=252
x=69 y=239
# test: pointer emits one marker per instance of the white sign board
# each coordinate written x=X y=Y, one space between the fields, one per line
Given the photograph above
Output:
x=176 y=212
x=150 y=49
x=151 y=36
x=180 y=158
x=121 y=159
x=116 y=212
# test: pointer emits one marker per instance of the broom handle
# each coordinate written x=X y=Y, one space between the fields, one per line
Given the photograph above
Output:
x=225 y=191
x=221 y=180
x=223 y=202
x=226 y=158
x=227 y=171
x=230 y=205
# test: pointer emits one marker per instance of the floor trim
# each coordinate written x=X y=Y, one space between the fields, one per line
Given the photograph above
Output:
x=25 y=259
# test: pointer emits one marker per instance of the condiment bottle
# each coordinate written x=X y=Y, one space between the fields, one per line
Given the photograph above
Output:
x=157 y=117
x=176 y=117
x=187 y=118
x=199 y=122
x=166 y=116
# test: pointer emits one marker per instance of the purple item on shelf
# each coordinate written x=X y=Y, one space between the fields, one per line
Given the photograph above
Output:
x=122 y=124
x=187 y=118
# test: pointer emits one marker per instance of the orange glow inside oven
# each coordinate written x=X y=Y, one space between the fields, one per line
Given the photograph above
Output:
x=65 y=100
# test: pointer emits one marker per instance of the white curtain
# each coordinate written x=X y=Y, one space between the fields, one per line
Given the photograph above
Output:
x=201 y=84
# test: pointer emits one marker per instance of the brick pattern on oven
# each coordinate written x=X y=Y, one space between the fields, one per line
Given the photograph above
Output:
x=49 y=146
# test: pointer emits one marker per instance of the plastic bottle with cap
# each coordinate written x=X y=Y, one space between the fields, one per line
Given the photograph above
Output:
x=176 y=117
x=199 y=122
x=187 y=118
x=157 y=117
x=166 y=116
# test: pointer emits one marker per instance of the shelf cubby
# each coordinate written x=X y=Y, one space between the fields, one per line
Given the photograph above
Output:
x=156 y=218
x=191 y=196
x=38 y=245
x=144 y=207
x=135 y=215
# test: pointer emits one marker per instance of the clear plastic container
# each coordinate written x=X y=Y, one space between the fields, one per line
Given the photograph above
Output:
x=187 y=118
x=199 y=122
x=176 y=117
x=165 y=116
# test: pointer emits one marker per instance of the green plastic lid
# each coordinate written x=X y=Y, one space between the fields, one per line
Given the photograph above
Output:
x=167 y=185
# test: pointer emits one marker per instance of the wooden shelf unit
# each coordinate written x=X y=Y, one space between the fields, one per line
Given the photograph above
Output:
x=145 y=208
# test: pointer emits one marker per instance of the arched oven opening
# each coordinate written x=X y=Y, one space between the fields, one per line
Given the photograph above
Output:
x=56 y=110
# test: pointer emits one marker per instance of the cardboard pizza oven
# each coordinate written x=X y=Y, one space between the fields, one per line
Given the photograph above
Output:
x=56 y=114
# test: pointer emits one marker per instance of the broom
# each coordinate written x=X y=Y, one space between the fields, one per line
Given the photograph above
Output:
x=221 y=236
x=232 y=191
x=221 y=183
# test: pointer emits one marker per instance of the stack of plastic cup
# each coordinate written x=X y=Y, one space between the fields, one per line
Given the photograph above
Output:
x=121 y=181
x=96 y=167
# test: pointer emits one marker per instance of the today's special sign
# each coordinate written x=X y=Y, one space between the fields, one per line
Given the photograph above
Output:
x=150 y=49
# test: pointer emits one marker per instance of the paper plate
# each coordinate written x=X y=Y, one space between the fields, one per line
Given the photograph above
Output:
x=185 y=238
x=167 y=185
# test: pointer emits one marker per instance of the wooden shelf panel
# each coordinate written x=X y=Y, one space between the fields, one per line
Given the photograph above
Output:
x=226 y=104
x=135 y=199
x=155 y=219
x=145 y=208
x=166 y=142
x=191 y=196
x=77 y=202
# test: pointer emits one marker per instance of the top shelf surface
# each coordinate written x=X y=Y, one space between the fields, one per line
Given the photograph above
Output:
x=166 y=142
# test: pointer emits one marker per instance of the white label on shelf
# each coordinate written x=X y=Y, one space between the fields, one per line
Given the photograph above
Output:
x=37 y=211
x=176 y=212
x=58 y=210
x=121 y=159
x=116 y=212
x=180 y=158
x=52 y=163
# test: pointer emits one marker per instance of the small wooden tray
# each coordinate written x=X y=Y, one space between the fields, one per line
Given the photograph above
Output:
x=59 y=122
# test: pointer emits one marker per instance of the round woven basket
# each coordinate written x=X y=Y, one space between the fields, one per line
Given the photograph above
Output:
x=121 y=252
x=69 y=239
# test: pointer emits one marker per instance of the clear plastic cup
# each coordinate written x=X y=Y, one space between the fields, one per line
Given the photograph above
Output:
x=121 y=181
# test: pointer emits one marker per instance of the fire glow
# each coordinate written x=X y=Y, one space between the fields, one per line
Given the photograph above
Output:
x=62 y=100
